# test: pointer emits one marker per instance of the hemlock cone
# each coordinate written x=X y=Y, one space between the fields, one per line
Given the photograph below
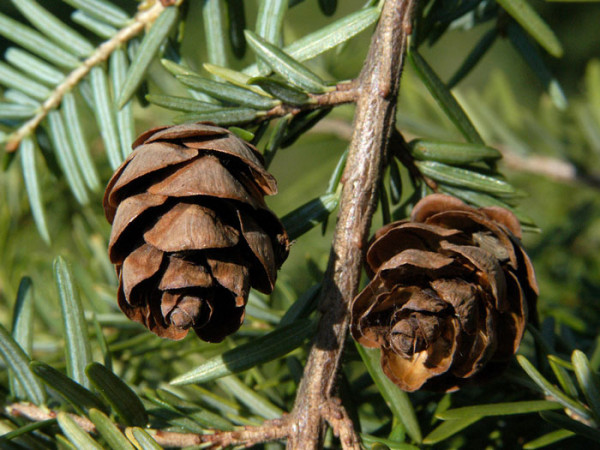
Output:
x=449 y=295
x=191 y=232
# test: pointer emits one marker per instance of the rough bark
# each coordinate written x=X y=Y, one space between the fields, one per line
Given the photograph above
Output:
x=374 y=120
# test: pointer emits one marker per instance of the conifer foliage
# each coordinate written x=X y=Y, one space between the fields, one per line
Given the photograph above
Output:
x=382 y=157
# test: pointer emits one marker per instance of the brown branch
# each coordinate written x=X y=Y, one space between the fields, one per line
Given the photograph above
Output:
x=337 y=417
x=344 y=93
x=375 y=114
x=270 y=430
x=39 y=414
x=141 y=20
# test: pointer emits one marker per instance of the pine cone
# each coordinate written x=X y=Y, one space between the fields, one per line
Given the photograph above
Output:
x=449 y=295
x=191 y=232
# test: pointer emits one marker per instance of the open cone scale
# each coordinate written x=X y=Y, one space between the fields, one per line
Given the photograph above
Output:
x=191 y=232
x=450 y=293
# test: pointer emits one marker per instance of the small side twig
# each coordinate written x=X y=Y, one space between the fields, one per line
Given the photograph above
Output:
x=554 y=168
x=141 y=20
x=39 y=414
x=344 y=93
x=343 y=428
x=270 y=430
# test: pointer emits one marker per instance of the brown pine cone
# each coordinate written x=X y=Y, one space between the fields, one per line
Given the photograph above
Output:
x=449 y=295
x=191 y=232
